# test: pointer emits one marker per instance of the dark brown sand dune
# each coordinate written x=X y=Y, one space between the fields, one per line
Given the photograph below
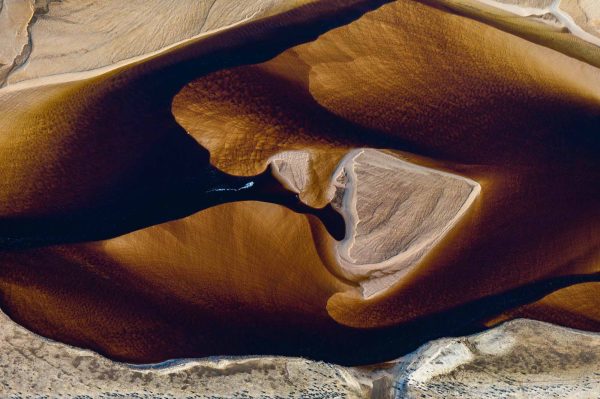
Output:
x=104 y=146
x=113 y=160
x=521 y=126
x=576 y=306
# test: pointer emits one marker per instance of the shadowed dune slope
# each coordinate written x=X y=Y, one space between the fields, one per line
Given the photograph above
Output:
x=577 y=306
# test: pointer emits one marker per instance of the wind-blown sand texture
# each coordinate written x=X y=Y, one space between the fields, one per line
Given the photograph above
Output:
x=415 y=207
x=175 y=187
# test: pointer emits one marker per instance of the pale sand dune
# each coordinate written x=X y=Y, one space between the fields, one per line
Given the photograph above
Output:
x=82 y=36
x=395 y=213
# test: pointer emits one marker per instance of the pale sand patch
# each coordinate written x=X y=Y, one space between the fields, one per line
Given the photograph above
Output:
x=521 y=358
x=395 y=213
x=564 y=13
x=585 y=13
x=75 y=41
x=291 y=168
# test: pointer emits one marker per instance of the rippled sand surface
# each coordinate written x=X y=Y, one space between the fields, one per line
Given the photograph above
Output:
x=304 y=178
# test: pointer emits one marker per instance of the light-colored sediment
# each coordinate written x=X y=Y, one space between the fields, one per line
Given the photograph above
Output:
x=519 y=359
x=14 y=36
x=580 y=17
x=522 y=358
x=292 y=169
x=472 y=100
x=395 y=212
x=36 y=367
x=583 y=13
x=49 y=47
x=61 y=41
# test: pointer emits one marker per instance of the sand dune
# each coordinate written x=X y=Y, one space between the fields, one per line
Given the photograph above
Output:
x=523 y=352
x=63 y=39
x=385 y=86
x=129 y=219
